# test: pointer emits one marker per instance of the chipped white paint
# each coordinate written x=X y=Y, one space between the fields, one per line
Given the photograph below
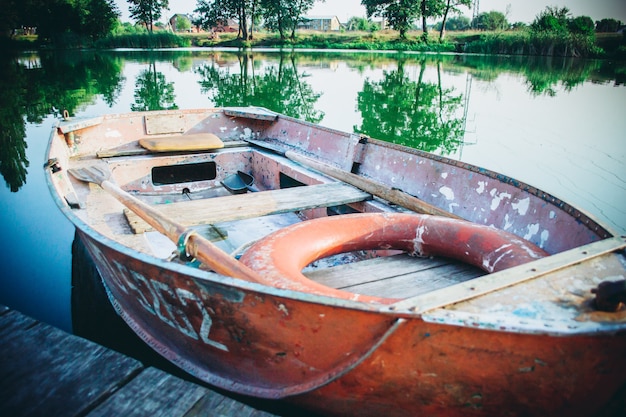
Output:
x=481 y=187
x=489 y=264
x=447 y=192
x=419 y=240
x=444 y=175
x=552 y=214
x=544 y=238
x=497 y=198
x=283 y=309
x=247 y=133
x=522 y=206
x=508 y=223
x=532 y=230
x=223 y=129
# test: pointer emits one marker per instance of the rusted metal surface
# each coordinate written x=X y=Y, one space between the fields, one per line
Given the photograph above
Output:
x=533 y=348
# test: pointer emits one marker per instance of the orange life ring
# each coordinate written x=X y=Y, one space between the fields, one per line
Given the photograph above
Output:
x=280 y=257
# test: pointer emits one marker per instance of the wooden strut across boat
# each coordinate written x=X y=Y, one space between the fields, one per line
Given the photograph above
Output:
x=495 y=315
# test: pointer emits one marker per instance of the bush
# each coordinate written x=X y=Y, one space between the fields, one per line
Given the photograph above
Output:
x=144 y=40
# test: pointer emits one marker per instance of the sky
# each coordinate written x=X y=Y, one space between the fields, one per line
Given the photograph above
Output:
x=515 y=10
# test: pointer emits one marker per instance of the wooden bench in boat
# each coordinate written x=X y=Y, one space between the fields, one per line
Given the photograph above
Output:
x=249 y=205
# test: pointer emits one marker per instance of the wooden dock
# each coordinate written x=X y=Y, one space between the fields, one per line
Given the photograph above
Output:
x=45 y=371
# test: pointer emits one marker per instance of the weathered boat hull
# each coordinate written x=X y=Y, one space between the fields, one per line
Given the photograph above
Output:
x=333 y=358
x=507 y=353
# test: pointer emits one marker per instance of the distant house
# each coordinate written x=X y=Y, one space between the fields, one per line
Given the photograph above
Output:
x=321 y=23
x=226 y=26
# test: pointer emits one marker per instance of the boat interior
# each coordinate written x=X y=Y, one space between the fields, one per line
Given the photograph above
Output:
x=237 y=195
x=245 y=188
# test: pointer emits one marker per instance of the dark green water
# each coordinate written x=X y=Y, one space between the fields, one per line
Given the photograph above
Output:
x=556 y=124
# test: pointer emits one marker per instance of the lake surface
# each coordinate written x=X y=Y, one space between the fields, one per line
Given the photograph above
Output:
x=557 y=124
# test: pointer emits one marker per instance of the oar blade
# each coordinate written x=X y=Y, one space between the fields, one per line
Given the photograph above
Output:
x=94 y=174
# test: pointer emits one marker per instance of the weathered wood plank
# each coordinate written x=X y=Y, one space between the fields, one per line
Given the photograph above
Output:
x=153 y=393
x=420 y=282
x=397 y=276
x=45 y=372
x=492 y=282
x=245 y=206
x=370 y=270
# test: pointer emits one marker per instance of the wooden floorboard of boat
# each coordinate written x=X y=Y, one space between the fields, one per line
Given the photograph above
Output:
x=249 y=205
x=397 y=276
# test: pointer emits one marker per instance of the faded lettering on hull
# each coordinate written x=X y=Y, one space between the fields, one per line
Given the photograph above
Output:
x=154 y=297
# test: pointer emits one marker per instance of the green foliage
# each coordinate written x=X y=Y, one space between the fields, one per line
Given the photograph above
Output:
x=182 y=24
x=362 y=24
x=415 y=113
x=526 y=42
x=492 y=20
x=278 y=87
x=582 y=25
x=399 y=13
x=147 y=11
x=608 y=25
x=552 y=19
x=455 y=23
x=144 y=40
x=554 y=32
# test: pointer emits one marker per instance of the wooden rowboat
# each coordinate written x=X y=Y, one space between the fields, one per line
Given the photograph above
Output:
x=359 y=278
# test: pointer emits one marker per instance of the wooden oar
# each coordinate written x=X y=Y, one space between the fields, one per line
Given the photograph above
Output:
x=393 y=195
x=194 y=244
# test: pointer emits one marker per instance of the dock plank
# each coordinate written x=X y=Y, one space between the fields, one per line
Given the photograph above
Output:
x=152 y=393
x=45 y=371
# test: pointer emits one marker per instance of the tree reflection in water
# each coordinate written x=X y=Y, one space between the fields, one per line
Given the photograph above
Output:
x=409 y=105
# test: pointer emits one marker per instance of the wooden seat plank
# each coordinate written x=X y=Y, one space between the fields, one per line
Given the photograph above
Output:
x=245 y=206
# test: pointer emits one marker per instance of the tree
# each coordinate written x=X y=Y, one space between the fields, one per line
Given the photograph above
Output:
x=400 y=14
x=415 y=113
x=582 y=25
x=98 y=17
x=552 y=19
x=456 y=23
x=182 y=23
x=430 y=8
x=608 y=25
x=451 y=6
x=284 y=15
x=211 y=13
x=153 y=92
x=147 y=11
x=361 y=23
x=492 y=20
